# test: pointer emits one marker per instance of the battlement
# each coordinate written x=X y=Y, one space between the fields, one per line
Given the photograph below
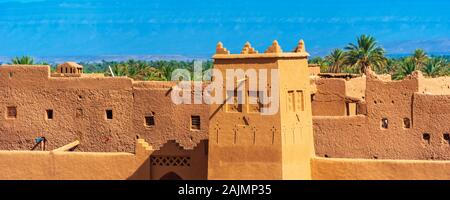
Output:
x=273 y=51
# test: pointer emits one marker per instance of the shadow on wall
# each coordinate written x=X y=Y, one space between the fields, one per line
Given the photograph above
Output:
x=171 y=176
x=173 y=162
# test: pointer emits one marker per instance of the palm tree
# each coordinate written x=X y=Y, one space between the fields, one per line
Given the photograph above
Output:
x=336 y=60
x=419 y=57
x=392 y=64
x=365 y=54
x=120 y=70
x=24 y=60
x=166 y=71
x=433 y=67
x=406 y=67
x=321 y=62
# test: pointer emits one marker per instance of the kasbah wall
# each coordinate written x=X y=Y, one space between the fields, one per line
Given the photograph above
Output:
x=329 y=126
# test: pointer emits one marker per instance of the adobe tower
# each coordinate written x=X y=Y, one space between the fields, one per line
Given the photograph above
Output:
x=244 y=143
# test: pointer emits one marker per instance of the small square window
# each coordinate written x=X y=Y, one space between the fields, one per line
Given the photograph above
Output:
x=149 y=121
x=49 y=114
x=11 y=112
x=109 y=114
x=195 y=122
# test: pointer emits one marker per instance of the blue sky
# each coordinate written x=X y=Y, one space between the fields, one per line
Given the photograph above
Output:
x=193 y=27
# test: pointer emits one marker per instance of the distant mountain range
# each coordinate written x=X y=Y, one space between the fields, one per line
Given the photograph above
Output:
x=117 y=58
x=97 y=59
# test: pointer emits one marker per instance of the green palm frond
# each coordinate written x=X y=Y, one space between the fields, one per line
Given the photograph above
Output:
x=366 y=54
x=24 y=60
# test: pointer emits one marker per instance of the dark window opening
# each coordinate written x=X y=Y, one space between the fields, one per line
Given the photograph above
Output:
x=384 y=123
x=195 y=122
x=149 y=121
x=109 y=114
x=426 y=137
x=10 y=74
x=446 y=137
x=12 y=112
x=406 y=123
x=49 y=114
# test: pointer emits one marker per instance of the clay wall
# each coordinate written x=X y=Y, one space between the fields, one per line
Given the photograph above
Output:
x=329 y=99
x=41 y=165
x=436 y=86
x=401 y=123
x=339 y=96
x=431 y=116
x=144 y=164
x=356 y=87
x=172 y=122
x=79 y=107
x=365 y=169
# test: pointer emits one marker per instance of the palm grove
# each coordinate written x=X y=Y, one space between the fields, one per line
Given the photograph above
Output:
x=367 y=54
x=357 y=57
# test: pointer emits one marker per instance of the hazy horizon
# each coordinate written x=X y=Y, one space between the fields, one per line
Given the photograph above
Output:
x=61 y=28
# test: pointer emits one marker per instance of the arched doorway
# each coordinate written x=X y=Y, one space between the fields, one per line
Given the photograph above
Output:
x=171 y=176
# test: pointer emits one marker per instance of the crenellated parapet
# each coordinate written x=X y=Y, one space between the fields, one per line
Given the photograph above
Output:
x=220 y=49
x=248 y=49
x=274 y=50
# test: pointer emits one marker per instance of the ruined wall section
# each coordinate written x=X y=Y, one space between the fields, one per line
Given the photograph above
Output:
x=436 y=86
x=338 y=96
x=356 y=87
x=390 y=119
x=401 y=123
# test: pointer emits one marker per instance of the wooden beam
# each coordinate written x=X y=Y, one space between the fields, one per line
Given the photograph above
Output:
x=69 y=146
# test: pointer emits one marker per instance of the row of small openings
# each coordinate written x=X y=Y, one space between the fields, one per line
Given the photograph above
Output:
x=149 y=120
x=71 y=70
x=427 y=137
x=11 y=112
x=195 y=121
x=385 y=123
